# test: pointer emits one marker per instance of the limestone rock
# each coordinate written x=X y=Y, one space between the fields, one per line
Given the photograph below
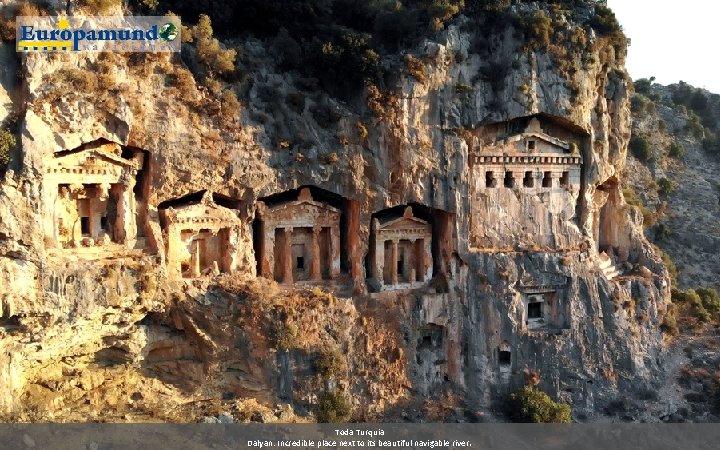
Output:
x=497 y=278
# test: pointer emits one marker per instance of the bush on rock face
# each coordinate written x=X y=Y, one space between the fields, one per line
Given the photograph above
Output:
x=7 y=142
x=640 y=148
x=531 y=405
x=333 y=407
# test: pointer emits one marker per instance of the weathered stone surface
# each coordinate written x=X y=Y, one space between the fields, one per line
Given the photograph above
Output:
x=466 y=330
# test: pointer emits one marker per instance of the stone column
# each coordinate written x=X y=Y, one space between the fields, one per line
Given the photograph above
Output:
x=554 y=180
x=427 y=258
x=518 y=177
x=91 y=205
x=315 y=274
x=287 y=257
x=334 y=251
x=52 y=207
x=174 y=243
x=419 y=260
x=195 y=259
x=125 y=227
x=378 y=265
x=267 y=255
x=394 y=259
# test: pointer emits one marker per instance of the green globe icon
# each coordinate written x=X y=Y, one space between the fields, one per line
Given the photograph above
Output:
x=168 y=32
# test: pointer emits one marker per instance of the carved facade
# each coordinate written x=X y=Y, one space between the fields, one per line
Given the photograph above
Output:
x=401 y=257
x=89 y=198
x=526 y=184
x=544 y=304
x=532 y=160
x=300 y=240
x=201 y=238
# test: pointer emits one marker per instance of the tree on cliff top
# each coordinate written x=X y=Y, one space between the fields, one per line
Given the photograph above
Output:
x=216 y=59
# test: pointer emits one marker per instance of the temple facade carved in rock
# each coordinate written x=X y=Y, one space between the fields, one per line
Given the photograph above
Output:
x=525 y=186
x=299 y=240
x=89 y=199
x=401 y=256
x=201 y=237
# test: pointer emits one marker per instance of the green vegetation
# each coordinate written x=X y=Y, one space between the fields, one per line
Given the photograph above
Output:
x=333 y=407
x=703 y=110
x=229 y=105
x=670 y=264
x=642 y=86
x=662 y=232
x=676 y=150
x=286 y=335
x=216 y=59
x=440 y=11
x=665 y=187
x=711 y=144
x=703 y=303
x=331 y=363
x=669 y=323
x=639 y=105
x=8 y=14
x=640 y=148
x=341 y=42
x=632 y=199
x=7 y=143
x=531 y=405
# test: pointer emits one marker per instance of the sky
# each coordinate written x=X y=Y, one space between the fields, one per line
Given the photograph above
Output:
x=672 y=40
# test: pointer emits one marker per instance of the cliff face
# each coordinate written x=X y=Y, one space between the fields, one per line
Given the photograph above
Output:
x=676 y=179
x=106 y=328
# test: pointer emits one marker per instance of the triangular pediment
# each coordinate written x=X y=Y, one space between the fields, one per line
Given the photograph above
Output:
x=304 y=205
x=403 y=223
x=204 y=209
x=89 y=158
x=560 y=144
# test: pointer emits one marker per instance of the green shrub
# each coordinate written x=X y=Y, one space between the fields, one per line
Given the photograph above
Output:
x=333 y=407
x=632 y=199
x=669 y=323
x=676 y=150
x=531 y=405
x=662 y=232
x=7 y=143
x=671 y=267
x=80 y=80
x=540 y=29
x=331 y=363
x=209 y=51
x=230 y=106
x=694 y=127
x=711 y=144
x=693 y=301
x=416 y=68
x=665 y=187
x=640 y=148
x=638 y=104
x=286 y=336
x=442 y=10
x=642 y=86
x=710 y=299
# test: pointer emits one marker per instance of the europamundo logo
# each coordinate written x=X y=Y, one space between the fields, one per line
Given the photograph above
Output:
x=98 y=34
